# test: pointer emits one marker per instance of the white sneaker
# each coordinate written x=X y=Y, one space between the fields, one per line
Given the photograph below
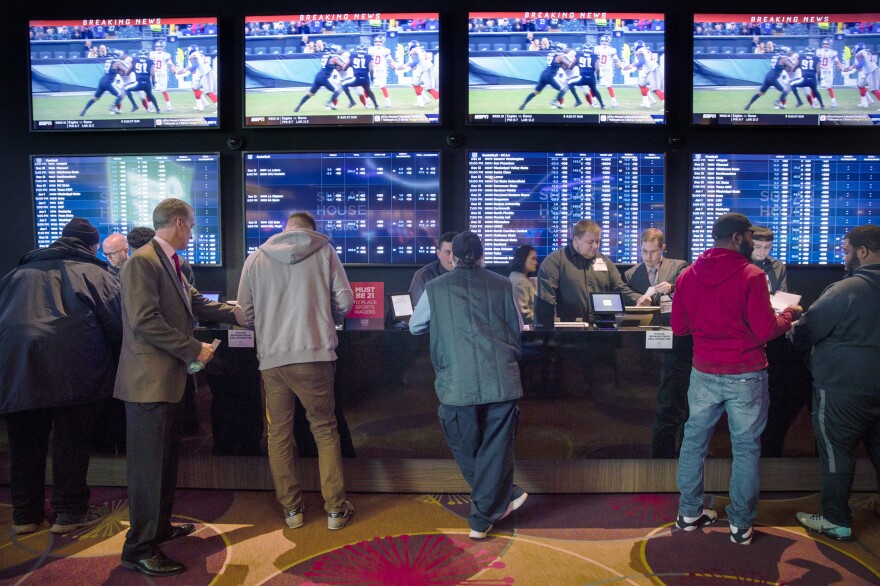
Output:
x=338 y=519
x=474 y=534
x=515 y=504
x=169 y=109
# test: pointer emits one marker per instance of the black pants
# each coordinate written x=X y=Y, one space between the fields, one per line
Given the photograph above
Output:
x=672 y=398
x=152 y=459
x=840 y=421
x=29 y=432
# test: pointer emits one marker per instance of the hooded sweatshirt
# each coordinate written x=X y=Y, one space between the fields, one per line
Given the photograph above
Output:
x=842 y=325
x=293 y=291
x=723 y=301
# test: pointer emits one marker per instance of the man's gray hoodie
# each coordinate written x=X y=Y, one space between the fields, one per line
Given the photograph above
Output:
x=294 y=291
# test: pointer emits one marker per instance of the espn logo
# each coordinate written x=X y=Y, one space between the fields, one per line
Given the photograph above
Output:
x=710 y=116
x=481 y=116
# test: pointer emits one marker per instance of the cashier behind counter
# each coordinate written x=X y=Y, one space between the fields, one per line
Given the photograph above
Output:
x=568 y=276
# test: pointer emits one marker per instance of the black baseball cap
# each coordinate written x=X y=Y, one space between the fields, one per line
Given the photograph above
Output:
x=731 y=223
x=467 y=246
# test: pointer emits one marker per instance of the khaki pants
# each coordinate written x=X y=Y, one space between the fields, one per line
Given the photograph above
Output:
x=312 y=383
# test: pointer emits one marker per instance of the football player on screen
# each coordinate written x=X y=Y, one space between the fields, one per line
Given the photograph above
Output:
x=143 y=69
x=650 y=73
x=608 y=59
x=113 y=66
x=203 y=82
x=779 y=62
x=868 y=73
x=361 y=64
x=330 y=61
x=809 y=68
x=163 y=64
x=421 y=64
x=382 y=59
x=556 y=59
x=827 y=60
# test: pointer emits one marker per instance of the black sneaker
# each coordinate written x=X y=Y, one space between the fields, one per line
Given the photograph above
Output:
x=691 y=523
x=741 y=536
x=65 y=522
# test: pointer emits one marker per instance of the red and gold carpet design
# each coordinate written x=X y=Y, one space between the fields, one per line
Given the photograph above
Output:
x=421 y=540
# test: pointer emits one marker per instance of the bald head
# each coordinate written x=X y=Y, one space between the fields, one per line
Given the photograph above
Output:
x=115 y=248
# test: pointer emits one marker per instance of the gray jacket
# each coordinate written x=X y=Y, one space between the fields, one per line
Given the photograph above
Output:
x=475 y=337
x=293 y=291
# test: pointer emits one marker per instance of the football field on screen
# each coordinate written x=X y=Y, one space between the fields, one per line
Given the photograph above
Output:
x=733 y=101
x=67 y=106
x=501 y=100
x=283 y=102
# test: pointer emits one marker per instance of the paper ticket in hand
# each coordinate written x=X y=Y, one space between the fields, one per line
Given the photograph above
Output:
x=197 y=365
x=780 y=300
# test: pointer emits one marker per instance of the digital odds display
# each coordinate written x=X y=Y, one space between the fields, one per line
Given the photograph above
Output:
x=119 y=192
x=98 y=73
x=786 y=69
x=566 y=67
x=366 y=68
x=376 y=207
x=535 y=198
x=809 y=201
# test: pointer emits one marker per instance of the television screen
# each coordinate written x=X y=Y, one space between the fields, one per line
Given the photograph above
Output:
x=566 y=67
x=376 y=207
x=369 y=68
x=112 y=73
x=118 y=192
x=535 y=198
x=790 y=69
x=809 y=201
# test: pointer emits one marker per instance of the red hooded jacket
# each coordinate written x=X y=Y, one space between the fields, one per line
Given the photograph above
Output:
x=724 y=302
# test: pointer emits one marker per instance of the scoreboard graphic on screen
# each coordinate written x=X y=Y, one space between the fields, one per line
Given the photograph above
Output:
x=809 y=201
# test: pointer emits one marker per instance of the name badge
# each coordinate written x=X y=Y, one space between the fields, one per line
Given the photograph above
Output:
x=600 y=266
x=658 y=339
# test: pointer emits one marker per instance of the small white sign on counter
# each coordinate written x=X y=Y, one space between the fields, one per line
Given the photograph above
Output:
x=241 y=338
x=657 y=339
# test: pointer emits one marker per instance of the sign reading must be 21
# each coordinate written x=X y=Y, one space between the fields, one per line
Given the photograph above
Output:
x=368 y=312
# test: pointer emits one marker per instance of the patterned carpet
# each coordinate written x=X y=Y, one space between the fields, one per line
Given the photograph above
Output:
x=415 y=540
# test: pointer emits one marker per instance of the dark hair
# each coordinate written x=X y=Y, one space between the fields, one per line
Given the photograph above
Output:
x=867 y=236
x=446 y=237
x=302 y=220
x=518 y=262
x=763 y=234
x=139 y=236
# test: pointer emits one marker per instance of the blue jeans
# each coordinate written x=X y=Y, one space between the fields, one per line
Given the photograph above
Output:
x=745 y=399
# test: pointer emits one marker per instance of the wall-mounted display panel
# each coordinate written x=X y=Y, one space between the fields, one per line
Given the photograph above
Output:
x=119 y=192
x=809 y=201
x=378 y=208
x=786 y=69
x=124 y=73
x=370 y=68
x=578 y=67
x=535 y=198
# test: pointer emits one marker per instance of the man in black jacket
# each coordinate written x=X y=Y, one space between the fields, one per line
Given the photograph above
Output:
x=60 y=331
x=841 y=326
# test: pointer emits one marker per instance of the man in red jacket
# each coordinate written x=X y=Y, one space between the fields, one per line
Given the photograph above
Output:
x=722 y=300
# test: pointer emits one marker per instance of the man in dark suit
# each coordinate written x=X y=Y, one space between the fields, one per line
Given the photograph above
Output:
x=159 y=309
x=655 y=276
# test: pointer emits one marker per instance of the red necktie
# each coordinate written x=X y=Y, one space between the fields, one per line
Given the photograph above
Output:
x=177 y=266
